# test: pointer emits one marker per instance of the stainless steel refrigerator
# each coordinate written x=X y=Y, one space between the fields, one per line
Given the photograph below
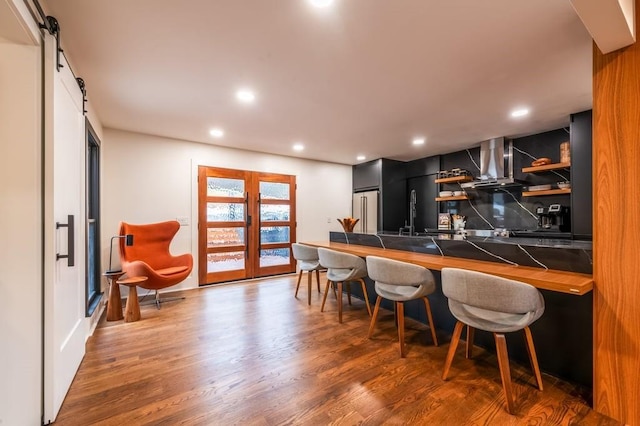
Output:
x=365 y=208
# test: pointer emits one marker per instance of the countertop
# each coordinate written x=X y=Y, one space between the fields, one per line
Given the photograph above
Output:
x=547 y=279
x=523 y=241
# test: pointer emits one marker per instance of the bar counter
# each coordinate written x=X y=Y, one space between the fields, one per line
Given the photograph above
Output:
x=547 y=279
x=563 y=335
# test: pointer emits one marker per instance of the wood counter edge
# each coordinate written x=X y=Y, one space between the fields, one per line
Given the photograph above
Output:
x=548 y=279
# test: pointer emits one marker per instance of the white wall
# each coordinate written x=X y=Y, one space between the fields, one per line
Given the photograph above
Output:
x=151 y=179
x=21 y=235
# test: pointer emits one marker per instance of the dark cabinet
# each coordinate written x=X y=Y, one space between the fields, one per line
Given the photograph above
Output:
x=367 y=175
x=423 y=167
x=421 y=174
x=581 y=175
x=426 y=205
x=389 y=177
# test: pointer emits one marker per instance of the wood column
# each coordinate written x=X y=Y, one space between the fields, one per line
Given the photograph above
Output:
x=616 y=236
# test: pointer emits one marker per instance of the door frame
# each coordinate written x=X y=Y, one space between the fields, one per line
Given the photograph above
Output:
x=92 y=205
x=252 y=225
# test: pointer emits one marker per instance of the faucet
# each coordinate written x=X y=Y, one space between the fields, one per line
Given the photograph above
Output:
x=411 y=228
x=412 y=212
x=405 y=230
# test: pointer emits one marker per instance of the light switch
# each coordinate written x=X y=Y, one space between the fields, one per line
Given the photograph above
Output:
x=183 y=220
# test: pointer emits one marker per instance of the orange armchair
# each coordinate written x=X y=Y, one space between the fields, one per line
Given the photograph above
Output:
x=149 y=256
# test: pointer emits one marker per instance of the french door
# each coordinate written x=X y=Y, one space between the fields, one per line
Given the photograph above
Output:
x=246 y=224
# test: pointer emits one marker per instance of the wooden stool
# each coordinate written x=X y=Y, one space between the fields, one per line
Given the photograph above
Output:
x=114 y=307
x=132 y=309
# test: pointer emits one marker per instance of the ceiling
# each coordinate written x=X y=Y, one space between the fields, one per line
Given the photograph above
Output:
x=363 y=77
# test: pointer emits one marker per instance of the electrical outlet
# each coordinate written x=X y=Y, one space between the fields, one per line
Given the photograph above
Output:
x=183 y=220
x=328 y=220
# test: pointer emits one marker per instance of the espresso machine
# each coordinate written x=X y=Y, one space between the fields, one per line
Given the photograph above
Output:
x=555 y=218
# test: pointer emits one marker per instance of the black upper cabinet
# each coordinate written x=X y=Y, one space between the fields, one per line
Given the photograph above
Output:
x=581 y=175
x=389 y=177
x=367 y=175
x=423 y=167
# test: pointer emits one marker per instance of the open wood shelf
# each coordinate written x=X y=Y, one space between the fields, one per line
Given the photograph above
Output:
x=455 y=179
x=460 y=197
x=546 y=192
x=546 y=167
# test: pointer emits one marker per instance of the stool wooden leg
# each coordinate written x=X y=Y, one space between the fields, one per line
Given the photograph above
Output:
x=298 y=286
x=132 y=308
x=532 y=356
x=400 y=310
x=318 y=279
x=114 y=307
x=324 y=298
x=457 y=331
x=366 y=296
x=340 y=301
x=374 y=317
x=427 y=306
x=348 y=291
x=470 y=334
x=505 y=374
x=309 y=276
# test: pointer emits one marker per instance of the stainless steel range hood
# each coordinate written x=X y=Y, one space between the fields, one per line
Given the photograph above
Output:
x=496 y=166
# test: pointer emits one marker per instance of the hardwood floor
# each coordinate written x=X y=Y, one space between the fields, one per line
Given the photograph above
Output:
x=252 y=354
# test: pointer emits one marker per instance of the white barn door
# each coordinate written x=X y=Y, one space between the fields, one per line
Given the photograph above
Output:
x=64 y=313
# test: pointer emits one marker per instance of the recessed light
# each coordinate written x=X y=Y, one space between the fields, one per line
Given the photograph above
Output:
x=298 y=147
x=521 y=112
x=361 y=157
x=246 y=96
x=418 y=141
x=321 y=3
x=216 y=133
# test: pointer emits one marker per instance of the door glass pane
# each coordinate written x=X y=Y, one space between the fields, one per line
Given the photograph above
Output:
x=223 y=187
x=225 y=212
x=222 y=237
x=274 y=191
x=273 y=257
x=274 y=234
x=274 y=212
x=93 y=279
x=230 y=261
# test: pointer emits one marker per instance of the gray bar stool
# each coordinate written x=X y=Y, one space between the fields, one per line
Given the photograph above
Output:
x=343 y=268
x=493 y=304
x=308 y=261
x=400 y=282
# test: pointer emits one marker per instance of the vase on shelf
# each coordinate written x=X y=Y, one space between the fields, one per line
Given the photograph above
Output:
x=348 y=223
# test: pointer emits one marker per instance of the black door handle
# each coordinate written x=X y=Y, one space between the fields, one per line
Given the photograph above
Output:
x=70 y=256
